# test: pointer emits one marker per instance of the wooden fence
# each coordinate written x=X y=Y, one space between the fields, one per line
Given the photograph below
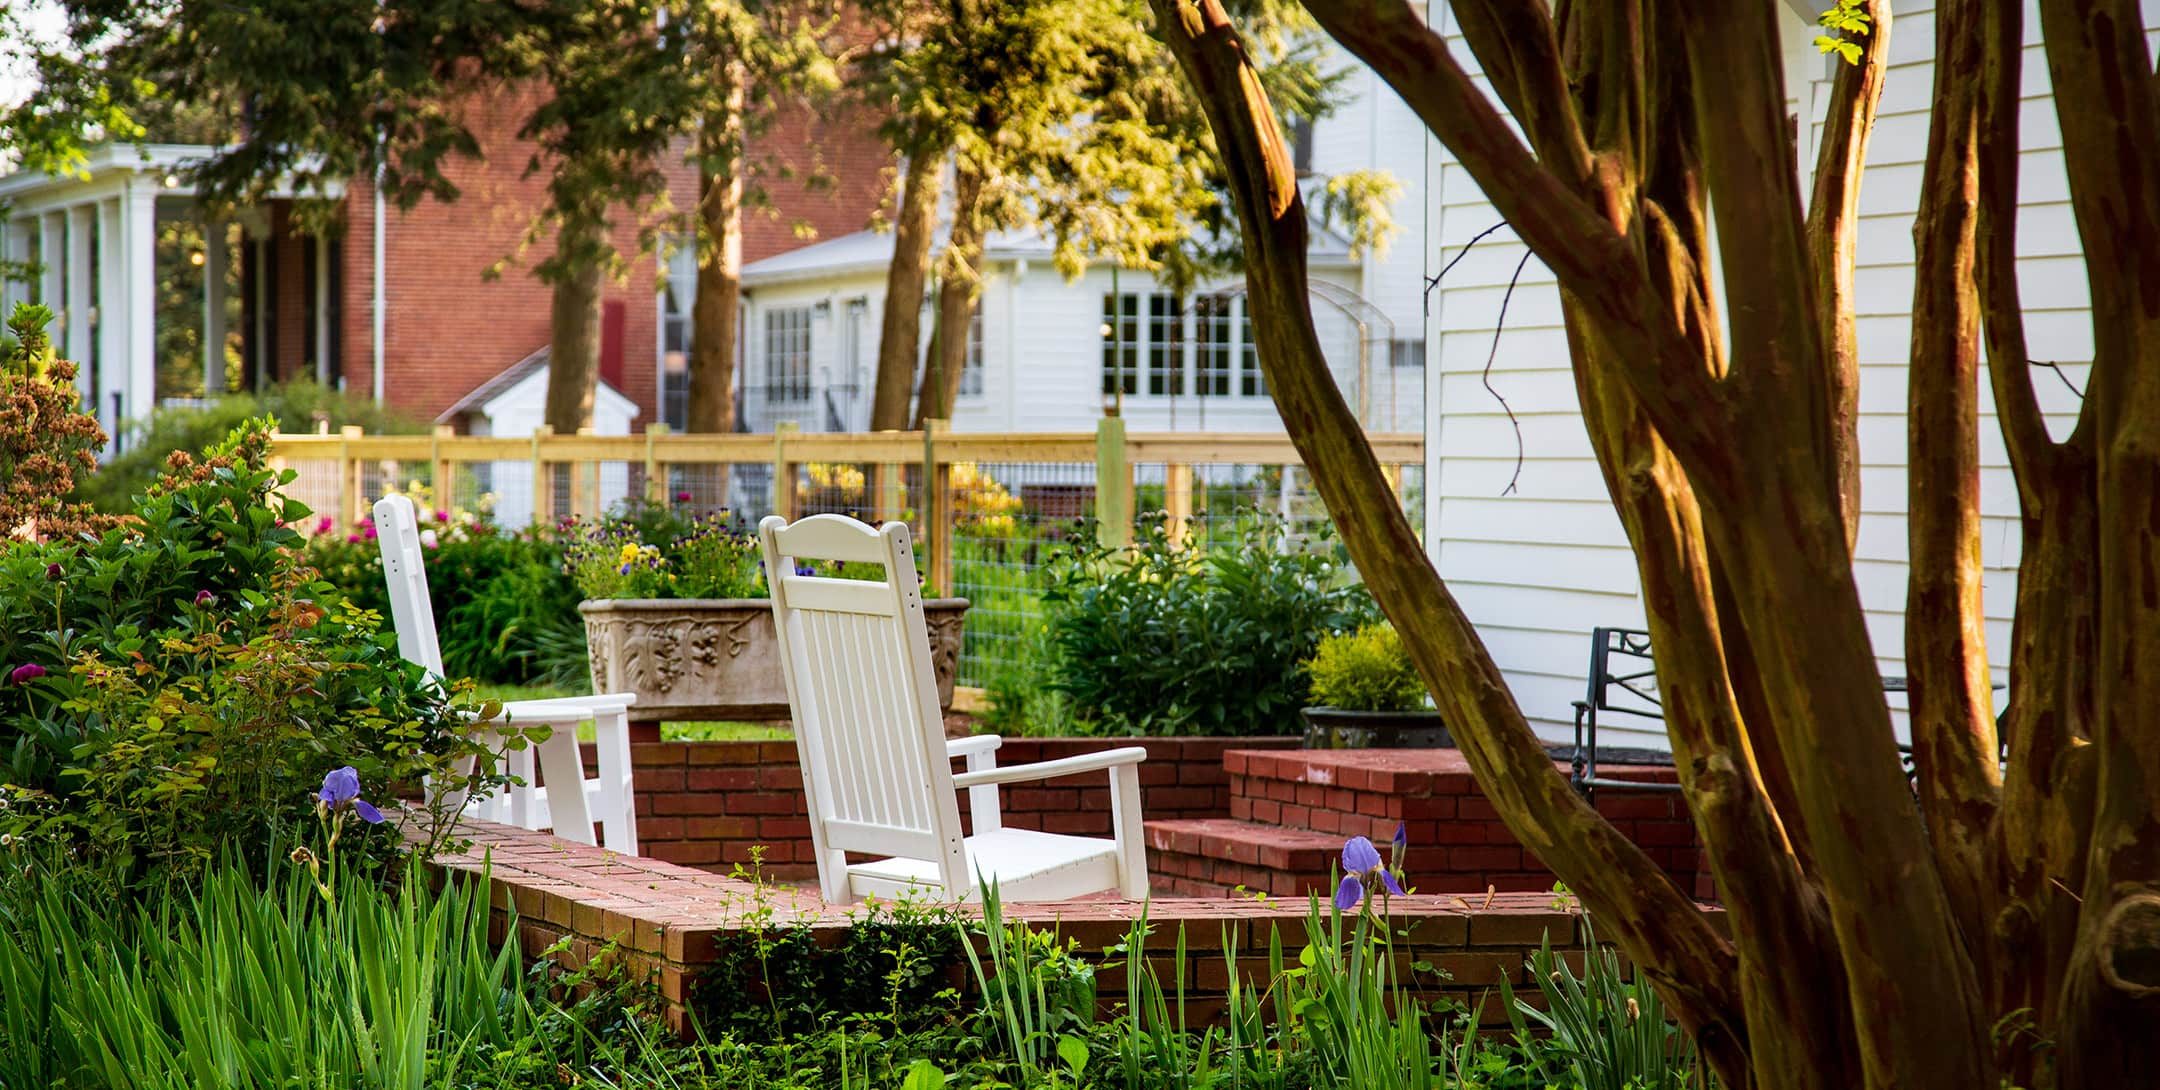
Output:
x=901 y=474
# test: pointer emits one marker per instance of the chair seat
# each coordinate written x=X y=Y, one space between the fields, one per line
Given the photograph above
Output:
x=1027 y=866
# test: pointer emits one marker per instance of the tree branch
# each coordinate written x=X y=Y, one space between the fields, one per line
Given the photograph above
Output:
x=1953 y=723
x=1655 y=923
x=1517 y=45
x=1577 y=235
x=1832 y=231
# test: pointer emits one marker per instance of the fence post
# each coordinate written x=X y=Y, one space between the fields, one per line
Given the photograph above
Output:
x=1113 y=482
x=352 y=482
x=543 y=489
x=888 y=498
x=445 y=491
x=1177 y=502
x=580 y=495
x=937 y=515
x=783 y=470
x=655 y=477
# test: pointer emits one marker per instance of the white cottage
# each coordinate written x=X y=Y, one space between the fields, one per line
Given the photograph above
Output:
x=1049 y=354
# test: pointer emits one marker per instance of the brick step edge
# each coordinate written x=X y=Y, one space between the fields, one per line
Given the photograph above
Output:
x=1214 y=857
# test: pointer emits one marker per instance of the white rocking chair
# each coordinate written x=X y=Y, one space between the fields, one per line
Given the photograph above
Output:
x=876 y=764
x=608 y=799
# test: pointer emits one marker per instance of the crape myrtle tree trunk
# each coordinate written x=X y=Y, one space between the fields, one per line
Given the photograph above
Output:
x=1995 y=922
x=576 y=274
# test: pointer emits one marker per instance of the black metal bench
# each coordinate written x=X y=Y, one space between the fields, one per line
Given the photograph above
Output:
x=1623 y=683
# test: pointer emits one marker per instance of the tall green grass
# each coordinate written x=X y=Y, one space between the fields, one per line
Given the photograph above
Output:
x=241 y=985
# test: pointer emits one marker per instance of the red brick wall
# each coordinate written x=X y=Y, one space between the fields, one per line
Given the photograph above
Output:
x=706 y=804
x=449 y=328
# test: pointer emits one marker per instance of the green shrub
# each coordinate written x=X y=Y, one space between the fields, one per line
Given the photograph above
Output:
x=505 y=612
x=1365 y=671
x=180 y=685
x=296 y=406
x=1154 y=639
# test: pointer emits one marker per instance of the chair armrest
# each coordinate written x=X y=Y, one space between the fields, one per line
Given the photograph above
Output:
x=972 y=744
x=606 y=702
x=1043 y=770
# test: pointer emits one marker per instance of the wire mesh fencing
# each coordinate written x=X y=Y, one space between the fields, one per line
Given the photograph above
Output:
x=991 y=514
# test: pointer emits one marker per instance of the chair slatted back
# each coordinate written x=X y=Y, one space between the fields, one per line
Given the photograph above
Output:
x=871 y=737
x=397 y=529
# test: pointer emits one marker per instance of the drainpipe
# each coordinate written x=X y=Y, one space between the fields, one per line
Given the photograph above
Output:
x=381 y=225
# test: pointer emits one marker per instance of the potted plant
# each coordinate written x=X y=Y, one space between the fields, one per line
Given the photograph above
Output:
x=676 y=611
x=1367 y=695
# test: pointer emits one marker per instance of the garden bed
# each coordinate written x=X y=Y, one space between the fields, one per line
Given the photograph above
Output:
x=671 y=924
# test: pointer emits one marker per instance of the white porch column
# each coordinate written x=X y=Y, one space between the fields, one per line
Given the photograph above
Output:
x=52 y=260
x=78 y=297
x=114 y=318
x=17 y=244
x=215 y=251
x=138 y=226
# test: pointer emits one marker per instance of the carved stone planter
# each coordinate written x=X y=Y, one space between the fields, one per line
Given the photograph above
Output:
x=699 y=659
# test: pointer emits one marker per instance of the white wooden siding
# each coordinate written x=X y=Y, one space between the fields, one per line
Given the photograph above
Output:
x=1537 y=569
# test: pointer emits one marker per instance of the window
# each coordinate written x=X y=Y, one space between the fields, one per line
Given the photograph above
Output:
x=1166 y=345
x=1301 y=134
x=1406 y=352
x=787 y=354
x=1211 y=340
x=677 y=296
x=1212 y=345
x=1121 y=344
x=1251 y=382
x=971 y=372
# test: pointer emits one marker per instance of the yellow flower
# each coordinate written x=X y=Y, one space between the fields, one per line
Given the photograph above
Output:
x=629 y=553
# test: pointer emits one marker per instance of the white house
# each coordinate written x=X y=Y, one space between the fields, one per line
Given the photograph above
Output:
x=1538 y=567
x=1048 y=354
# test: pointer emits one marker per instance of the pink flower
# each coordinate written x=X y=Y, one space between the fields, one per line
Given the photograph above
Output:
x=26 y=673
x=326 y=525
x=682 y=497
x=428 y=539
x=352 y=539
x=370 y=531
x=442 y=516
x=205 y=599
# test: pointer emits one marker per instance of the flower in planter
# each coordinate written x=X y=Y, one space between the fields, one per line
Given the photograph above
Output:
x=1362 y=867
x=26 y=673
x=341 y=790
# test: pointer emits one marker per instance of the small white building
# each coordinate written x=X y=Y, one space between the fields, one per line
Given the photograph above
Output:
x=1050 y=354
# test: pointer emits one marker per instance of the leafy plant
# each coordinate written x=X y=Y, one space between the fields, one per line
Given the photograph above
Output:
x=45 y=437
x=178 y=687
x=1201 y=638
x=1366 y=670
x=1605 y=1032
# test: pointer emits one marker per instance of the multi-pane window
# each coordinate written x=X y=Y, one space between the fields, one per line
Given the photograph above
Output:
x=1213 y=343
x=1166 y=345
x=676 y=298
x=1406 y=352
x=971 y=373
x=787 y=354
x=1210 y=340
x=1121 y=344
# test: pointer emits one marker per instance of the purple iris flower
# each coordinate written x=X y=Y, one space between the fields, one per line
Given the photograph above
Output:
x=1349 y=894
x=341 y=788
x=1361 y=864
x=26 y=673
x=1402 y=837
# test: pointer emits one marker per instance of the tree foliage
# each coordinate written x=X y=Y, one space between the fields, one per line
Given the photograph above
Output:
x=1996 y=920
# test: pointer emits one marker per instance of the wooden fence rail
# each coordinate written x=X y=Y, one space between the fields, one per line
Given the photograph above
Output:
x=566 y=471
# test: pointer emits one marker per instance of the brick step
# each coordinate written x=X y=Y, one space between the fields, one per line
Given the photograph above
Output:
x=1213 y=857
x=1457 y=841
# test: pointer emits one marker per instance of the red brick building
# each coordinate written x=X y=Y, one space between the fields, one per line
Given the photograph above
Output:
x=141 y=283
